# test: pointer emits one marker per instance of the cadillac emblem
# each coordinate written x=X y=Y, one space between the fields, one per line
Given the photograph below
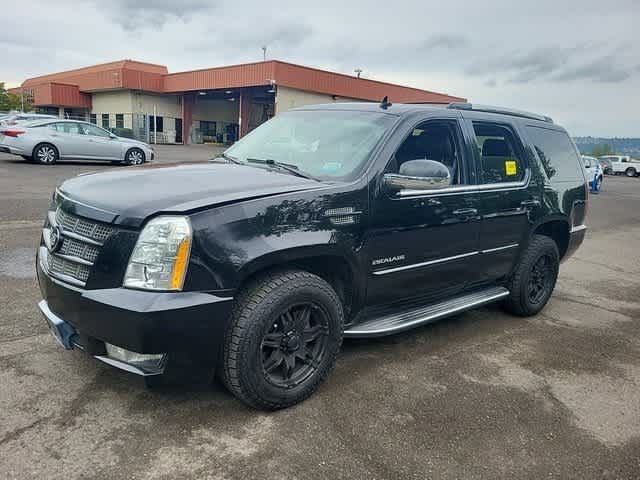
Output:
x=55 y=240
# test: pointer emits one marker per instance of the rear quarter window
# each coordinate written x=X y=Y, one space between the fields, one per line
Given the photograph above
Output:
x=557 y=152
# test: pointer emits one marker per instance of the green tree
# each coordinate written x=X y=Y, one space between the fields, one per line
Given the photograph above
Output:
x=11 y=101
x=600 y=150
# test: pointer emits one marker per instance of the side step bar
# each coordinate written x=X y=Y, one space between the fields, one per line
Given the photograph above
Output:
x=398 y=322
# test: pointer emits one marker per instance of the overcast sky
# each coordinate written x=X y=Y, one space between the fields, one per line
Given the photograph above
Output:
x=575 y=60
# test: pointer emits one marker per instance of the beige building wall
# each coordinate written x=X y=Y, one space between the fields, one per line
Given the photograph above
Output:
x=288 y=98
x=112 y=102
x=166 y=105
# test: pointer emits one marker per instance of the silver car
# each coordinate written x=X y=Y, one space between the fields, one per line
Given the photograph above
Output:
x=46 y=142
x=20 y=118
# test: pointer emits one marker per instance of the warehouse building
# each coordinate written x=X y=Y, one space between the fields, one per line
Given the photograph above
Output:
x=210 y=105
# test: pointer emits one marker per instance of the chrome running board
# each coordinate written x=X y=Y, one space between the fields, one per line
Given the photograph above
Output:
x=398 y=322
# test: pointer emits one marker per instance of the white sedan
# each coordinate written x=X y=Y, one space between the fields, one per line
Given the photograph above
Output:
x=48 y=141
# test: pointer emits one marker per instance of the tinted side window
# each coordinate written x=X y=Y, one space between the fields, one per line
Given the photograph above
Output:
x=499 y=153
x=67 y=127
x=95 y=131
x=557 y=153
x=437 y=140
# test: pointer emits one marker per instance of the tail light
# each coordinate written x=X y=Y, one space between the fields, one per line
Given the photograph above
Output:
x=12 y=132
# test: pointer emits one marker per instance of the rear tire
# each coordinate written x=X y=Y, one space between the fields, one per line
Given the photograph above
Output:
x=45 y=154
x=285 y=333
x=534 y=278
x=630 y=172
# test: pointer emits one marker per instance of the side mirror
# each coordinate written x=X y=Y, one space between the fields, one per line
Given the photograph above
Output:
x=419 y=175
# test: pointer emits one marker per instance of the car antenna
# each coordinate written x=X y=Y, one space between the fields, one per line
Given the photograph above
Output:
x=385 y=103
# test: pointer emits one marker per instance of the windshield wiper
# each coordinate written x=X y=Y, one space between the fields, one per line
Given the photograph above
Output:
x=294 y=170
x=226 y=157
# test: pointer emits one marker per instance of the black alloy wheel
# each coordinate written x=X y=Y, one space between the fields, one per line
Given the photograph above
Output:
x=532 y=282
x=295 y=345
x=541 y=279
x=284 y=335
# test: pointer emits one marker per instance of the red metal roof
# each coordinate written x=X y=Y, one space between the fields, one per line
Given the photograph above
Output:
x=131 y=74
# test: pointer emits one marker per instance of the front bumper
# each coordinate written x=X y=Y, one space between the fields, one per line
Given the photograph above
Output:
x=139 y=321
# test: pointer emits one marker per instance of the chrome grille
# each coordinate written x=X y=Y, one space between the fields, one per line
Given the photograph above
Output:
x=81 y=243
x=68 y=268
x=76 y=248
x=93 y=230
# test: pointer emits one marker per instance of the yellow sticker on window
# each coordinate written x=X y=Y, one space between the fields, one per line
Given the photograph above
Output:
x=511 y=168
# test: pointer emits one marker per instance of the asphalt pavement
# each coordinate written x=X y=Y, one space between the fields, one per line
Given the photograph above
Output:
x=481 y=395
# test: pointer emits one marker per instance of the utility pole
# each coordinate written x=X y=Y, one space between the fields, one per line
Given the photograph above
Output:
x=264 y=53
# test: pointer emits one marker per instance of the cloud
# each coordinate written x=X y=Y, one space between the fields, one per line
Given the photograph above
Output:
x=142 y=14
x=447 y=41
x=524 y=67
x=603 y=69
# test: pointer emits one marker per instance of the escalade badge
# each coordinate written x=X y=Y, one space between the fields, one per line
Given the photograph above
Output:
x=55 y=240
x=382 y=261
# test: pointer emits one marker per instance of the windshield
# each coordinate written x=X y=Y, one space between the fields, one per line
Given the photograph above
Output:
x=329 y=145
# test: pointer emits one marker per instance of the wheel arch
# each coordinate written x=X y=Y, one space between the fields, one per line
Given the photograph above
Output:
x=332 y=265
x=558 y=229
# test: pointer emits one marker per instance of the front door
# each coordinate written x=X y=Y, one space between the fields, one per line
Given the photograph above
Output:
x=423 y=243
x=100 y=144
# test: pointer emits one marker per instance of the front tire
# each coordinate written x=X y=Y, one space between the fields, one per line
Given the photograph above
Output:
x=534 y=278
x=134 y=156
x=630 y=172
x=284 y=336
x=45 y=154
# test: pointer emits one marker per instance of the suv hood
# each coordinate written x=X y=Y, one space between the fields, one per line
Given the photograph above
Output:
x=127 y=196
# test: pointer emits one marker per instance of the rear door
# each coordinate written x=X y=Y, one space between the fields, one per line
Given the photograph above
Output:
x=507 y=195
x=67 y=138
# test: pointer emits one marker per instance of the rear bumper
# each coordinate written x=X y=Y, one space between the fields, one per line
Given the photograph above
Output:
x=139 y=321
x=12 y=150
x=576 y=237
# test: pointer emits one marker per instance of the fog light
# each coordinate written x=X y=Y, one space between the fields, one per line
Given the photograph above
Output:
x=134 y=358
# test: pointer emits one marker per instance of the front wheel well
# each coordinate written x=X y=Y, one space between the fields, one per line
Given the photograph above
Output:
x=558 y=231
x=130 y=149
x=332 y=269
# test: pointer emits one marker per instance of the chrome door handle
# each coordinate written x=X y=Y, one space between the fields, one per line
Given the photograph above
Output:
x=530 y=203
x=466 y=212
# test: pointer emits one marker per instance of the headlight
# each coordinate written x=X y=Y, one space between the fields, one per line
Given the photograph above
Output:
x=160 y=258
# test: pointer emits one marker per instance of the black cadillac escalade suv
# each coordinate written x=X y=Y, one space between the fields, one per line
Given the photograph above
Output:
x=331 y=221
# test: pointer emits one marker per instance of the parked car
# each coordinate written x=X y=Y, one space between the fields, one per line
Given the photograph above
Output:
x=623 y=164
x=605 y=165
x=46 y=142
x=592 y=170
x=21 y=118
x=330 y=221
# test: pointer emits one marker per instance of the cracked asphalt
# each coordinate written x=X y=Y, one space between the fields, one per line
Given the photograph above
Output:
x=480 y=395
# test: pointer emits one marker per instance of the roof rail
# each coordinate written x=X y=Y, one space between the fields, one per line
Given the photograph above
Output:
x=504 y=111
